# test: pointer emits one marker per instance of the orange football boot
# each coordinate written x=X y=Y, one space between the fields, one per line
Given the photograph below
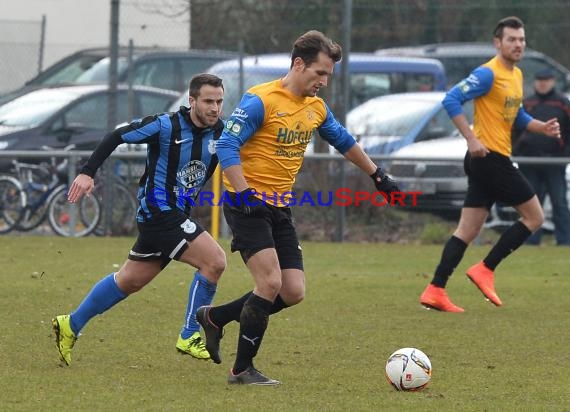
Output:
x=436 y=298
x=483 y=278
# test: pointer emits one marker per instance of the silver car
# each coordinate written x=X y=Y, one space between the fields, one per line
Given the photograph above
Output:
x=435 y=168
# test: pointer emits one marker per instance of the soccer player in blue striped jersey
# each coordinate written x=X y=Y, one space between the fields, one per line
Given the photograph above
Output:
x=181 y=157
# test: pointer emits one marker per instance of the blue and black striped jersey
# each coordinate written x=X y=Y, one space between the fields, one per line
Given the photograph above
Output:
x=180 y=159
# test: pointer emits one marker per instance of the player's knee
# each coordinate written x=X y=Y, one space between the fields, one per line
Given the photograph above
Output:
x=130 y=286
x=293 y=296
x=534 y=221
x=214 y=266
x=218 y=265
x=271 y=285
x=534 y=224
x=467 y=234
x=540 y=219
x=126 y=282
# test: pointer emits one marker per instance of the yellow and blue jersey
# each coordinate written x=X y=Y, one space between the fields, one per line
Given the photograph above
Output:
x=498 y=94
x=268 y=134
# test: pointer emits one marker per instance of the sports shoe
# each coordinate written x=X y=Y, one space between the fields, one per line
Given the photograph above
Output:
x=436 y=298
x=64 y=337
x=483 y=278
x=193 y=346
x=213 y=333
x=251 y=376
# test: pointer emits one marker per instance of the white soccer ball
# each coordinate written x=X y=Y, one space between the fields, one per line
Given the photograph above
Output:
x=408 y=369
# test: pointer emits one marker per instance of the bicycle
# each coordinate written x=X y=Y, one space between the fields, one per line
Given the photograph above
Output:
x=44 y=187
x=12 y=201
x=123 y=210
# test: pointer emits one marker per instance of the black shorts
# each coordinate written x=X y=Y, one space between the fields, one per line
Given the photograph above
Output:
x=274 y=230
x=164 y=237
x=494 y=178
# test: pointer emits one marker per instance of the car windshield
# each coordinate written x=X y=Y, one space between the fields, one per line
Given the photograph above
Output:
x=33 y=108
x=363 y=86
x=388 y=117
x=232 y=92
x=68 y=73
x=99 y=72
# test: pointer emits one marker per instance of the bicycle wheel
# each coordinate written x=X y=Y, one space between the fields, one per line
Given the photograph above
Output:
x=123 y=210
x=34 y=213
x=73 y=219
x=12 y=203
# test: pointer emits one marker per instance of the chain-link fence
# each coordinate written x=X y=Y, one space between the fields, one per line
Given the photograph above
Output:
x=20 y=51
x=161 y=34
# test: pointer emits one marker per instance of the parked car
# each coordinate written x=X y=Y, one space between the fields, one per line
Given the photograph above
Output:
x=387 y=123
x=152 y=67
x=443 y=183
x=459 y=59
x=64 y=115
x=370 y=76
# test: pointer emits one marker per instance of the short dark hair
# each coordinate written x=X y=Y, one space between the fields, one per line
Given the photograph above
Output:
x=512 y=22
x=202 y=79
x=309 y=45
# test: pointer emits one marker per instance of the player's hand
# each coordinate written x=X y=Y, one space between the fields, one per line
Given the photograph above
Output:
x=552 y=128
x=383 y=182
x=249 y=205
x=476 y=148
x=82 y=185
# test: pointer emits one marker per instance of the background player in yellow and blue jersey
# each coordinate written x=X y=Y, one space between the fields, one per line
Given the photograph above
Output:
x=180 y=159
x=260 y=151
x=497 y=90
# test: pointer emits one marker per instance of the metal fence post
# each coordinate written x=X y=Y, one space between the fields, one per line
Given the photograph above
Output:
x=42 y=44
x=112 y=112
x=344 y=100
x=71 y=168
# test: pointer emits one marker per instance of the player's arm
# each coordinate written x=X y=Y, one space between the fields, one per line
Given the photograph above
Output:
x=477 y=84
x=235 y=175
x=240 y=127
x=337 y=135
x=549 y=128
x=135 y=132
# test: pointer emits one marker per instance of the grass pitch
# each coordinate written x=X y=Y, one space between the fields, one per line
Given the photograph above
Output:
x=329 y=352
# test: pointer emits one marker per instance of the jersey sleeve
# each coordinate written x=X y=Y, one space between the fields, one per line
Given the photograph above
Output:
x=335 y=133
x=523 y=119
x=478 y=83
x=240 y=127
x=141 y=131
x=146 y=130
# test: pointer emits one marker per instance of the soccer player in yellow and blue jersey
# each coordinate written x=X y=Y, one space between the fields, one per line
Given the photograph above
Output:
x=497 y=90
x=261 y=151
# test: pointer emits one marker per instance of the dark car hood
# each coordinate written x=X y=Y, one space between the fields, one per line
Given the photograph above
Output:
x=4 y=130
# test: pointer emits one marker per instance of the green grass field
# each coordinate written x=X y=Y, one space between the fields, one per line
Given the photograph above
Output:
x=329 y=351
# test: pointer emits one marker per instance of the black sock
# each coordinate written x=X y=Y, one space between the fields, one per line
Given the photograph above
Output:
x=450 y=258
x=278 y=305
x=509 y=241
x=253 y=323
x=224 y=314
